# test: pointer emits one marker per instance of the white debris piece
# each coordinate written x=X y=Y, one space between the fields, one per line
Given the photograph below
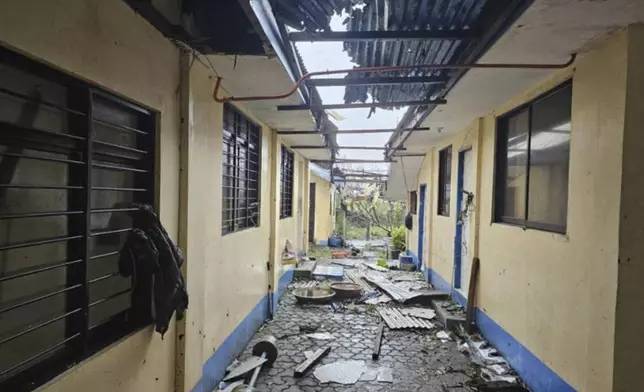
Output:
x=370 y=374
x=491 y=376
x=341 y=372
x=442 y=335
x=386 y=375
x=320 y=336
x=424 y=313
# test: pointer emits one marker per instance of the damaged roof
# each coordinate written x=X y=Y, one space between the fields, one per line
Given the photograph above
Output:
x=468 y=22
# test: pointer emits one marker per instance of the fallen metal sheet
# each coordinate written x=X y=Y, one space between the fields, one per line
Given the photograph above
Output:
x=397 y=320
x=305 y=285
x=386 y=375
x=408 y=277
x=399 y=294
x=412 y=285
x=357 y=278
x=424 y=313
x=346 y=262
x=492 y=376
x=341 y=372
x=329 y=271
x=245 y=367
x=376 y=267
x=381 y=299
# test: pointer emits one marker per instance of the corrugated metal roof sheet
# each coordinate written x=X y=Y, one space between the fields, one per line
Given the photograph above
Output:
x=390 y=15
x=407 y=15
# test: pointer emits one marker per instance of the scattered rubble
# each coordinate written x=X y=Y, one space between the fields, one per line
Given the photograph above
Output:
x=337 y=342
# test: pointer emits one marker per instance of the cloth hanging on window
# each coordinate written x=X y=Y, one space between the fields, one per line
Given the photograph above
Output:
x=149 y=250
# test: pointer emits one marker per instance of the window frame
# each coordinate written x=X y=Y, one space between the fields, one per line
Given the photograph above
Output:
x=413 y=202
x=228 y=225
x=501 y=161
x=287 y=178
x=444 y=180
x=82 y=340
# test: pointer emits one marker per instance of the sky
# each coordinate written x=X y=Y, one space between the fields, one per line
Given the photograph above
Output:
x=322 y=56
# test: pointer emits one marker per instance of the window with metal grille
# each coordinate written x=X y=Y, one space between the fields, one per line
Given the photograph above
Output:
x=241 y=172
x=444 y=180
x=73 y=159
x=532 y=158
x=286 y=184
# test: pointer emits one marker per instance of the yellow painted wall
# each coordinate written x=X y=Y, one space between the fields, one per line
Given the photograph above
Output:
x=105 y=42
x=323 y=214
x=556 y=293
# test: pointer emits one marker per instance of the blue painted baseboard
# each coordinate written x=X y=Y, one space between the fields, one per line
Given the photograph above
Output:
x=536 y=374
x=215 y=367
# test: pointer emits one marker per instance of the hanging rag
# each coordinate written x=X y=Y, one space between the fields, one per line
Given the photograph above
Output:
x=149 y=250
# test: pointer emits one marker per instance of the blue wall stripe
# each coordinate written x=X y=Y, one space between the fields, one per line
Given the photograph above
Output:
x=536 y=374
x=215 y=368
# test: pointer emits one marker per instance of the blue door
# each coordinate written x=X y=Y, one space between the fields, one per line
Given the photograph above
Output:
x=421 y=223
x=464 y=199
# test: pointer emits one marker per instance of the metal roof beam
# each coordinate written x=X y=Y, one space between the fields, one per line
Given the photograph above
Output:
x=305 y=147
x=362 y=181
x=361 y=105
x=355 y=161
x=375 y=80
x=352 y=131
x=381 y=35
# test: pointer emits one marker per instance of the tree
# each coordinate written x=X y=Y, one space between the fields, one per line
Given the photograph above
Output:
x=364 y=205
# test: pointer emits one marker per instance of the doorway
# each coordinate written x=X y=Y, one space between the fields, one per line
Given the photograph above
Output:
x=464 y=201
x=312 y=212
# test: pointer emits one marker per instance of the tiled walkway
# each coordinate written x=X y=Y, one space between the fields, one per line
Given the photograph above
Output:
x=419 y=360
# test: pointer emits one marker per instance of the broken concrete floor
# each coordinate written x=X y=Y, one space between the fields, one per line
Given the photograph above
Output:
x=418 y=359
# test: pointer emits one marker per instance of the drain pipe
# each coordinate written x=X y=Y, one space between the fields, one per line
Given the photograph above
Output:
x=390 y=68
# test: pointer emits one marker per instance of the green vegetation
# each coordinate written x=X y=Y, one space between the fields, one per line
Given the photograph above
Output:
x=367 y=214
x=399 y=238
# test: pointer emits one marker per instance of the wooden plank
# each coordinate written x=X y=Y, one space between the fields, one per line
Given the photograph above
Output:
x=471 y=294
x=305 y=366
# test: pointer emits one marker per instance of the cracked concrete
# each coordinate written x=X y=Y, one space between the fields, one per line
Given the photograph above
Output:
x=420 y=362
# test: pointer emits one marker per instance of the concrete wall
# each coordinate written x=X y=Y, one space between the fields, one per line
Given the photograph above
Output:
x=106 y=43
x=323 y=214
x=555 y=293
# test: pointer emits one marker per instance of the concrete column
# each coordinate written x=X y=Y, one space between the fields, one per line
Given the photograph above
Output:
x=274 y=184
x=629 y=317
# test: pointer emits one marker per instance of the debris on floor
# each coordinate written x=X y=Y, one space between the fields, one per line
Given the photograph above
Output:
x=396 y=320
x=359 y=342
x=443 y=336
x=423 y=313
x=244 y=367
x=328 y=271
x=341 y=372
